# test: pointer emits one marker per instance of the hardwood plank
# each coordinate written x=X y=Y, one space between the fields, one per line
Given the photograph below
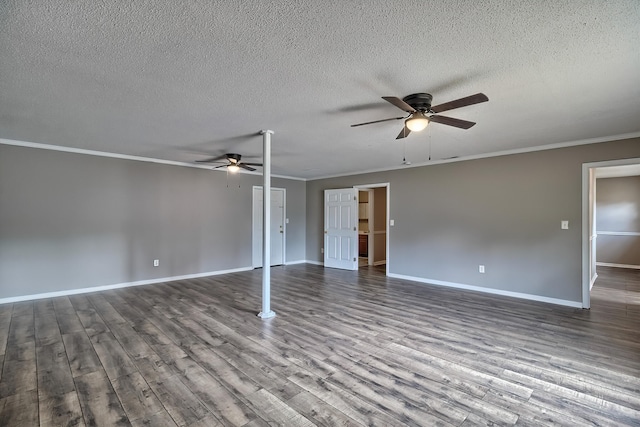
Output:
x=105 y=310
x=275 y=411
x=209 y=421
x=100 y=405
x=68 y=321
x=224 y=405
x=115 y=361
x=46 y=329
x=18 y=375
x=160 y=419
x=138 y=400
x=263 y=376
x=61 y=410
x=80 y=353
x=19 y=410
x=5 y=322
x=318 y=411
x=233 y=379
x=183 y=406
x=93 y=324
x=23 y=308
x=159 y=342
x=22 y=328
x=344 y=400
x=54 y=374
x=132 y=342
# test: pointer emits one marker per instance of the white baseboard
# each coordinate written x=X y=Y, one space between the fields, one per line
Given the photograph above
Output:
x=608 y=264
x=576 y=304
x=383 y=262
x=593 y=280
x=308 y=261
x=300 y=261
x=118 y=285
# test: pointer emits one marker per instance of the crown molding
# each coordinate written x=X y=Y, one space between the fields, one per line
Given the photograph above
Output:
x=123 y=156
x=492 y=154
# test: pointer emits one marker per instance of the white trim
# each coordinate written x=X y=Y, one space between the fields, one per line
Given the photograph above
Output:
x=308 y=261
x=531 y=297
x=119 y=285
x=381 y=262
x=593 y=280
x=127 y=157
x=493 y=154
x=618 y=233
x=429 y=163
x=609 y=264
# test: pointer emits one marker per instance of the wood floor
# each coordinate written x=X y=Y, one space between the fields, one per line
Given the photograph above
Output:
x=346 y=348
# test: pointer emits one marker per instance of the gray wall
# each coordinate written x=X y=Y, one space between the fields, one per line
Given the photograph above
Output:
x=71 y=221
x=502 y=212
x=618 y=210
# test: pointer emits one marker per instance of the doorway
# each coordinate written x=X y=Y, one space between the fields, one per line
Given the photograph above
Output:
x=341 y=227
x=590 y=173
x=278 y=230
x=372 y=225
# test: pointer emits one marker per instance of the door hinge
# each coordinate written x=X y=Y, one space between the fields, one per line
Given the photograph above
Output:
x=355 y=229
x=354 y=259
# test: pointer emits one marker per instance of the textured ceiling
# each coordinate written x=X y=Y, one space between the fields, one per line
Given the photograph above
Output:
x=184 y=80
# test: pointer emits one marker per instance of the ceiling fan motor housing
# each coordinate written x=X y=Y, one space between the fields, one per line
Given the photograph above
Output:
x=233 y=157
x=419 y=101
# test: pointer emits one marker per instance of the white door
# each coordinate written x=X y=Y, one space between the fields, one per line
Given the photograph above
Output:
x=277 y=226
x=341 y=228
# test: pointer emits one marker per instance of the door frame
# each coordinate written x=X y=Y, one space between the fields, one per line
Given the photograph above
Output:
x=253 y=224
x=588 y=206
x=362 y=187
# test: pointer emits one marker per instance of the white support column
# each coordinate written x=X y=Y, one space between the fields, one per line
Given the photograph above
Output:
x=266 y=312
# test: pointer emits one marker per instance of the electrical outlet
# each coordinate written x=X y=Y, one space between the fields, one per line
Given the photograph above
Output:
x=564 y=224
x=481 y=268
x=156 y=262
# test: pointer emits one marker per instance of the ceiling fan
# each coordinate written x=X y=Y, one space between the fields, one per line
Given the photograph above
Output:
x=234 y=162
x=418 y=105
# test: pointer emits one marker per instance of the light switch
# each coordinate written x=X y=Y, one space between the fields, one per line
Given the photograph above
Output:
x=391 y=222
x=564 y=224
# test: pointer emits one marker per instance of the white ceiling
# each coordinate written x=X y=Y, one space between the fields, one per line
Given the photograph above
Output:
x=185 y=80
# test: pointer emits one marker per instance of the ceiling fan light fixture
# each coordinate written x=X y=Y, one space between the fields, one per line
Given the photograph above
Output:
x=233 y=168
x=417 y=122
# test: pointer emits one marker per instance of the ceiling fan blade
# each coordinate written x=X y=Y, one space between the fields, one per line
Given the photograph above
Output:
x=378 y=121
x=244 y=166
x=221 y=166
x=450 y=121
x=399 y=103
x=251 y=164
x=403 y=133
x=462 y=102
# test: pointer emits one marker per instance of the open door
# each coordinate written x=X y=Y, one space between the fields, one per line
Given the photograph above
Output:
x=341 y=228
